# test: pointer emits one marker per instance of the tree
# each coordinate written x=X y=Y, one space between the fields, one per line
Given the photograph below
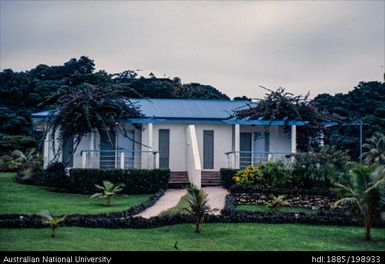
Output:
x=366 y=103
x=198 y=207
x=109 y=190
x=364 y=195
x=282 y=105
x=375 y=147
x=87 y=109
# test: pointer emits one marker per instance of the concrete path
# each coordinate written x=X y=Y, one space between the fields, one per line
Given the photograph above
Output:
x=216 y=198
x=170 y=199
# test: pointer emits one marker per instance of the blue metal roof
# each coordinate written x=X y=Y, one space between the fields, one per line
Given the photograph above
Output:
x=193 y=110
x=189 y=108
x=182 y=108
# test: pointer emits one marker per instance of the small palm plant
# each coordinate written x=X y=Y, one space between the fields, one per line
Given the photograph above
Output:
x=109 y=190
x=198 y=207
x=27 y=161
x=53 y=221
x=365 y=194
x=375 y=147
x=276 y=202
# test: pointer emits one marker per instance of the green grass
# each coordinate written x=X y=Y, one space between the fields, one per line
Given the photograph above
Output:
x=263 y=208
x=29 y=199
x=179 y=208
x=248 y=236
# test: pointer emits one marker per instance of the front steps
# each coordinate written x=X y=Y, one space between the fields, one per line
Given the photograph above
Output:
x=178 y=178
x=208 y=178
x=211 y=178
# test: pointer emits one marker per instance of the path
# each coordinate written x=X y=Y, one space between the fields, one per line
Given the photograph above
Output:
x=216 y=198
x=170 y=199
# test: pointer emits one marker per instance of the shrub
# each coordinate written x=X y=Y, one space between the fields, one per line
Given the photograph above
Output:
x=250 y=176
x=277 y=174
x=271 y=174
x=9 y=143
x=7 y=163
x=320 y=169
x=135 y=181
x=227 y=177
x=55 y=176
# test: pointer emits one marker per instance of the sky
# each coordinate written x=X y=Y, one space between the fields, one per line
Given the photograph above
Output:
x=235 y=46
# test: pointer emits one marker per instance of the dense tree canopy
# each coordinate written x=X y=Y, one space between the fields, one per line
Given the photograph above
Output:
x=366 y=103
x=22 y=93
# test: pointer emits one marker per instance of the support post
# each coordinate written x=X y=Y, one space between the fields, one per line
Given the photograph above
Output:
x=156 y=160
x=361 y=141
x=237 y=134
x=92 y=154
x=149 y=142
x=84 y=159
x=122 y=160
x=293 y=140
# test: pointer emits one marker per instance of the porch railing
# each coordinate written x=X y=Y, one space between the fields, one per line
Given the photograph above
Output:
x=242 y=159
x=119 y=159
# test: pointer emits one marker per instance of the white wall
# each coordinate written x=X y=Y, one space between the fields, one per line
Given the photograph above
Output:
x=177 y=143
x=223 y=137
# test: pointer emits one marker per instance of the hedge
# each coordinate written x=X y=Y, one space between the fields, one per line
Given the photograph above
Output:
x=227 y=177
x=136 y=181
x=9 y=143
x=55 y=176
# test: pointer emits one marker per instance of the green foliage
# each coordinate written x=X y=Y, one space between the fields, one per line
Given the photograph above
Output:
x=266 y=175
x=198 y=208
x=364 y=195
x=251 y=176
x=366 y=103
x=109 y=190
x=8 y=143
x=227 y=177
x=375 y=149
x=7 y=163
x=87 y=109
x=276 y=174
x=55 y=175
x=22 y=93
x=53 y=221
x=319 y=169
x=282 y=105
x=308 y=170
x=276 y=202
x=135 y=181
x=29 y=199
x=29 y=164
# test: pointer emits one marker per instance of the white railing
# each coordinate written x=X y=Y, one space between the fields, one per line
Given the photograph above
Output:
x=242 y=159
x=119 y=159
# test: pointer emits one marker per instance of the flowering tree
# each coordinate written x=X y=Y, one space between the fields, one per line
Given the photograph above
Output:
x=89 y=108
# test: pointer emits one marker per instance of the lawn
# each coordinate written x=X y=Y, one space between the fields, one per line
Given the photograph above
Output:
x=29 y=199
x=263 y=208
x=214 y=237
x=179 y=208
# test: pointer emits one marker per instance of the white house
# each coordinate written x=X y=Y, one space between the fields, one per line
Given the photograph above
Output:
x=193 y=138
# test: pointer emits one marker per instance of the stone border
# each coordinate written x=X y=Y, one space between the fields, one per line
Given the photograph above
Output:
x=229 y=215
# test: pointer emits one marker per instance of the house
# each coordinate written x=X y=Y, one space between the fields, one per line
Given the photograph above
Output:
x=193 y=138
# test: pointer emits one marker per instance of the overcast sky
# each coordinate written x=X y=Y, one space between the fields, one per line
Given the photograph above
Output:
x=315 y=46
